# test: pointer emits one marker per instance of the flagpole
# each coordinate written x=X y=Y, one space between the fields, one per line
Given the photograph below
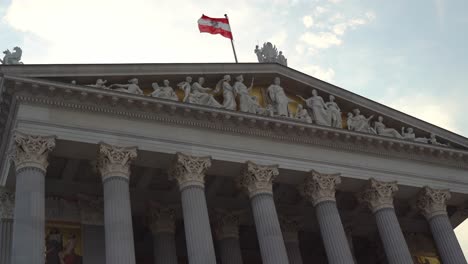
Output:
x=232 y=42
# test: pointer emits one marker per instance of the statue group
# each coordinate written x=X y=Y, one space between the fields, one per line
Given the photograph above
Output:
x=237 y=97
x=269 y=53
x=12 y=57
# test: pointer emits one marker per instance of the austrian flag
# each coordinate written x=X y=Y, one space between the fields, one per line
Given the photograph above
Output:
x=215 y=26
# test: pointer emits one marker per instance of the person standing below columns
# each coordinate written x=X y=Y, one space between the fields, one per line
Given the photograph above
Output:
x=114 y=167
x=227 y=233
x=432 y=203
x=189 y=171
x=319 y=189
x=290 y=228
x=257 y=180
x=30 y=158
x=379 y=197
x=162 y=225
x=7 y=201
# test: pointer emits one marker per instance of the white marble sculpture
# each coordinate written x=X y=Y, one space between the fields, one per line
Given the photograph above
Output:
x=383 y=130
x=12 y=57
x=319 y=110
x=132 y=87
x=409 y=135
x=302 y=114
x=229 y=94
x=359 y=123
x=197 y=94
x=100 y=83
x=335 y=112
x=247 y=102
x=278 y=98
x=165 y=92
x=433 y=140
x=269 y=53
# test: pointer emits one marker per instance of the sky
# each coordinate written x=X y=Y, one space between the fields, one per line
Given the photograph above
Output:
x=409 y=55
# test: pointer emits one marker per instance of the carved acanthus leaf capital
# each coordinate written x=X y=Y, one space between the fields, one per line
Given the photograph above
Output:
x=32 y=151
x=114 y=161
x=257 y=179
x=433 y=202
x=379 y=194
x=7 y=203
x=189 y=170
x=227 y=224
x=320 y=187
x=162 y=220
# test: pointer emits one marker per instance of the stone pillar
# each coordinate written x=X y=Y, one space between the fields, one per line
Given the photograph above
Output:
x=114 y=167
x=319 y=189
x=189 y=171
x=290 y=228
x=257 y=180
x=226 y=229
x=162 y=224
x=7 y=201
x=30 y=158
x=379 y=198
x=432 y=203
x=92 y=225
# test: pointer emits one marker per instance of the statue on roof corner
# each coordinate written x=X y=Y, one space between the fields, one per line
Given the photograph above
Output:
x=269 y=53
x=12 y=57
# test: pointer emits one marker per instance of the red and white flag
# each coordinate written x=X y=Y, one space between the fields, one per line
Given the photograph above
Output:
x=215 y=26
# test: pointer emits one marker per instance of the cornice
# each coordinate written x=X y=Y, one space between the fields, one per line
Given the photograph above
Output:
x=90 y=99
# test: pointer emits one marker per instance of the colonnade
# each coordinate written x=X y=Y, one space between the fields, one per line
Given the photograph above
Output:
x=277 y=246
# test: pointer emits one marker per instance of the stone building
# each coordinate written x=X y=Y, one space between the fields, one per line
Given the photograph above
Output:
x=137 y=163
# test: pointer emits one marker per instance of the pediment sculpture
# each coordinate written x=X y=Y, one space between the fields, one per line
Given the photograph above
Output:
x=164 y=92
x=12 y=57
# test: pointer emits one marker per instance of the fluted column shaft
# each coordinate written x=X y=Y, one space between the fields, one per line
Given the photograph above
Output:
x=6 y=236
x=432 y=203
x=165 y=248
x=230 y=250
x=294 y=252
x=226 y=229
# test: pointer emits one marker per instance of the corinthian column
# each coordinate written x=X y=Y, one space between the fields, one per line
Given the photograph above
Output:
x=114 y=167
x=30 y=158
x=432 y=203
x=163 y=228
x=7 y=201
x=227 y=234
x=257 y=180
x=319 y=189
x=379 y=198
x=290 y=228
x=189 y=171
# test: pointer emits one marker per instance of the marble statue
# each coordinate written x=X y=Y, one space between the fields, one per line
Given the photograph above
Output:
x=269 y=53
x=382 y=130
x=302 y=114
x=12 y=57
x=229 y=94
x=132 y=87
x=165 y=92
x=359 y=123
x=197 y=94
x=409 y=135
x=335 y=112
x=320 y=113
x=433 y=140
x=278 y=98
x=100 y=83
x=247 y=102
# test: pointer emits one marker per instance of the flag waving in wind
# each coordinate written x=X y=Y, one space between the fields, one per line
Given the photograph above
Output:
x=215 y=26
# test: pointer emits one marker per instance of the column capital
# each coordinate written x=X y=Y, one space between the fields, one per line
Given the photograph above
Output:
x=114 y=161
x=320 y=187
x=257 y=179
x=32 y=151
x=7 y=203
x=162 y=220
x=189 y=170
x=432 y=202
x=227 y=224
x=379 y=194
x=290 y=227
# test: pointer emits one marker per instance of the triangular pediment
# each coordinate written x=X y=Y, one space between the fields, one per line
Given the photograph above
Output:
x=293 y=82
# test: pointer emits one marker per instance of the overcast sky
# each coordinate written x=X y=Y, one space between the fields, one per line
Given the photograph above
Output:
x=410 y=55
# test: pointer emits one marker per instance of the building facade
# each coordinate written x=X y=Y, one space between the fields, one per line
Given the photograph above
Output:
x=184 y=163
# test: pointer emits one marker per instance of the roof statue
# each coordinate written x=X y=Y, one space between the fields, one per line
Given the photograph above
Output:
x=269 y=53
x=12 y=57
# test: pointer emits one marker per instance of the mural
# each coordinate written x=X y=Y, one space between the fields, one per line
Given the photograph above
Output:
x=63 y=243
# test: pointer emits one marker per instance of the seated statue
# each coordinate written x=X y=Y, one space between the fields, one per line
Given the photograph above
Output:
x=382 y=130
x=359 y=123
x=100 y=83
x=132 y=87
x=302 y=114
x=12 y=58
x=165 y=92
x=197 y=94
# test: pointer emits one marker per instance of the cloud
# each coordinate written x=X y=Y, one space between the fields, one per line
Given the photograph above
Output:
x=321 y=40
x=319 y=72
x=334 y=1
x=308 y=21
